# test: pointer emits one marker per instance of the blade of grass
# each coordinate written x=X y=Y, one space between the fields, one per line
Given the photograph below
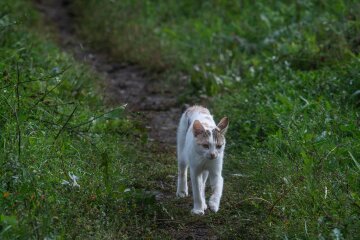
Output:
x=67 y=121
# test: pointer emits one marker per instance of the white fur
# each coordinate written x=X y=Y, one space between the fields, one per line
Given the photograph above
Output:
x=202 y=165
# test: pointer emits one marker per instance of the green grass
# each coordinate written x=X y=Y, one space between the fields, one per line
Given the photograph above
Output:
x=52 y=124
x=287 y=75
x=216 y=42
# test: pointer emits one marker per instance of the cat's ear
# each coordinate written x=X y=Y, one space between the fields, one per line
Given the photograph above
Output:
x=223 y=125
x=198 y=128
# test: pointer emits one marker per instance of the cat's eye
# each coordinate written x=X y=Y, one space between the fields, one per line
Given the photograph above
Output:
x=218 y=146
x=205 y=146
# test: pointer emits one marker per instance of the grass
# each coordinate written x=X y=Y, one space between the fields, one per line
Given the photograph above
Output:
x=217 y=42
x=286 y=73
x=54 y=125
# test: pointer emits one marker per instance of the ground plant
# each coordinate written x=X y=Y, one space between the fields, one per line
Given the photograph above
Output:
x=285 y=73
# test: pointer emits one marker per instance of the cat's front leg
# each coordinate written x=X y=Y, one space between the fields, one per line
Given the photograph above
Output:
x=216 y=182
x=197 y=182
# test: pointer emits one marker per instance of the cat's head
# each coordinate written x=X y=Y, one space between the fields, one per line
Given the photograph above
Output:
x=210 y=142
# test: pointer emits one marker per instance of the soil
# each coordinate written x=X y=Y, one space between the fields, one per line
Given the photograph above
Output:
x=152 y=98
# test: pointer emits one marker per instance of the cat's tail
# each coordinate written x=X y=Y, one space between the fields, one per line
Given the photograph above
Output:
x=181 y=132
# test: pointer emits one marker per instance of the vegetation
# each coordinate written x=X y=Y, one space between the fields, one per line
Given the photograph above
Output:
x=219 y=43
x=66 y=159
x=286 y=73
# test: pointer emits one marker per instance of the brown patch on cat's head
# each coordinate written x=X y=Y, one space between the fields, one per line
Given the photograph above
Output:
x=203 y=138
x=200 y=133
x=198 y=128
x=218 y=136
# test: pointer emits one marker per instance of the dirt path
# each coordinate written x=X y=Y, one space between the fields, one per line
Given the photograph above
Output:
x=124 y=83
x=153 y=99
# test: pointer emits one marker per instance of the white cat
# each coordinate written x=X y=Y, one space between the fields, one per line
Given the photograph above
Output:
x=200 y=145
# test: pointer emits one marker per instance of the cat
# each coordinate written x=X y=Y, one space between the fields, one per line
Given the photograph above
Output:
x=200 y=146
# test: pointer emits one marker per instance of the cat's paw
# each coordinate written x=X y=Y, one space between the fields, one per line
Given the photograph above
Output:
x=197 y=211
x=204 y=206
x=213 y=206
x=182 y=194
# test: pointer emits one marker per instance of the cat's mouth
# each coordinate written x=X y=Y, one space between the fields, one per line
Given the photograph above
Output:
x=211 y=157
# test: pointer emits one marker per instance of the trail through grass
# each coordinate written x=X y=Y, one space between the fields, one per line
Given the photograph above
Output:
x=286 y=74
x=68 y=162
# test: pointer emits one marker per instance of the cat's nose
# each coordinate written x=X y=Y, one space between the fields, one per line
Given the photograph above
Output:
x=212 y=155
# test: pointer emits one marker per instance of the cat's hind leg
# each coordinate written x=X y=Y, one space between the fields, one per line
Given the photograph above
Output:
x=182 y=187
